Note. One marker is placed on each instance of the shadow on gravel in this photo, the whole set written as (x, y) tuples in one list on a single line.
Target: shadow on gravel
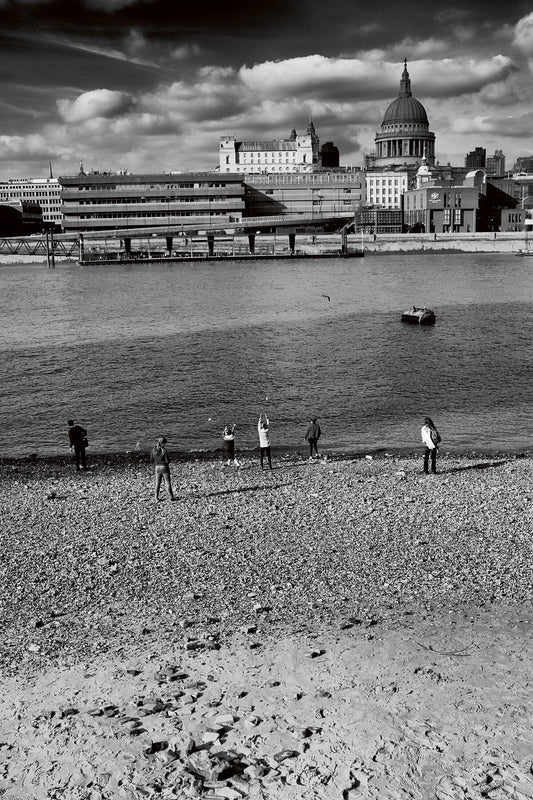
[(483, 465), (257, 488)]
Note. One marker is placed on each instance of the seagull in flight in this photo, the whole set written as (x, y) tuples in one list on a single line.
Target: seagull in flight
[(327, 297)]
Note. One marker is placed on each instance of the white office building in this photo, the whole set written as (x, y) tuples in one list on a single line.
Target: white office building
[(385, 188), (44, 191)]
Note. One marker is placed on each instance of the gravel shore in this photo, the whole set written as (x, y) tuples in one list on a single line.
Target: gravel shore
[(348, 629), (91, 562)]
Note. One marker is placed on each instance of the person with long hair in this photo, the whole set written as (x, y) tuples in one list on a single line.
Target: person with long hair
[(431, 438), (161, 459)]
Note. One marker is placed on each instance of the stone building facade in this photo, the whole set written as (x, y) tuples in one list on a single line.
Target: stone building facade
[(297, 153), (404, 137)]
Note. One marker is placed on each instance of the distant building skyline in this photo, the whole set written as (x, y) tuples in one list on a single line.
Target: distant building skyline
[(149, 85)]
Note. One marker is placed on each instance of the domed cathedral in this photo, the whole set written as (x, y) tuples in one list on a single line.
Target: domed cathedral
[(405, 137)]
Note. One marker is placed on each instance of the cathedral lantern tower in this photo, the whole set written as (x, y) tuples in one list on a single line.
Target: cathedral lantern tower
[(404, 138)]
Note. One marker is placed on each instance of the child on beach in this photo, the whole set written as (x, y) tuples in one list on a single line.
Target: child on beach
[(160, 458), (264, 439), (228, 435)]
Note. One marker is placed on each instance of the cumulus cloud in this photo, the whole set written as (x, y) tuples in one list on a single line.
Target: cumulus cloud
[(510, 126), (96, 103), (370, 77), (523, 35), (35, 145)]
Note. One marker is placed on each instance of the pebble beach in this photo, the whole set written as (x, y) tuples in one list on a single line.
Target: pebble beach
[(346, 628)]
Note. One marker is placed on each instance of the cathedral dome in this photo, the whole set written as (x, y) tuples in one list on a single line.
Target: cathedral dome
[(404, 137), (405, 108)]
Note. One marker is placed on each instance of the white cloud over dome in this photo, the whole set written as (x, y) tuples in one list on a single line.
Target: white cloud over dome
[(366, 76)]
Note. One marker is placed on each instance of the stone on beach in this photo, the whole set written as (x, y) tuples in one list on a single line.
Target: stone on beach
[(383, 635)]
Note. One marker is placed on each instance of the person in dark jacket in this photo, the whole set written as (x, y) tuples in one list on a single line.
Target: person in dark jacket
[(161, 459), (228, 435), (313, 435), (78, 441)]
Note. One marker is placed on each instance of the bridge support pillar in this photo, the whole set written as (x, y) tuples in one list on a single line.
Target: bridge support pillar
[(292, 242), (169, 244), (251, 242), (127, 245), (211, 244)]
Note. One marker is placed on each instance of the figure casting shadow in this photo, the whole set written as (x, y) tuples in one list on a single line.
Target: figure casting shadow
[(483, 465), (258, 488)]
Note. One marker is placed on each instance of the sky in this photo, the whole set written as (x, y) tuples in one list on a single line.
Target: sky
[(151, 85)]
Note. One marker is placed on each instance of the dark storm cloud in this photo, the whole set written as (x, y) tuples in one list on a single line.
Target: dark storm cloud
[(249, 32)]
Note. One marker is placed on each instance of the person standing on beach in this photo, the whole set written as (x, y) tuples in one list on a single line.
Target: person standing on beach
[(228, 435), (160, 458), (78, 440), (313, 435), (264, 439), (431, 438)]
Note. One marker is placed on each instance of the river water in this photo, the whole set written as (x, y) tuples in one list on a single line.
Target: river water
[(134, 351)]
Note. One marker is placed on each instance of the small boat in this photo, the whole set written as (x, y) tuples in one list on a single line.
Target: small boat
[(419, 316)]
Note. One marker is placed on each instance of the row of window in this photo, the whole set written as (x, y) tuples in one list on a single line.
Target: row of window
[(385, 182), (148, 215), (116, 201), (139, 187)]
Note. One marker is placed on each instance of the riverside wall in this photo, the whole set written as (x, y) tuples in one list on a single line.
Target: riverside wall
[(510, 243)]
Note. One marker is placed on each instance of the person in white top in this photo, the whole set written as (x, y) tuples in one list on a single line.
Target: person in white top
[(264, 439), (229, 437), (431, 438)]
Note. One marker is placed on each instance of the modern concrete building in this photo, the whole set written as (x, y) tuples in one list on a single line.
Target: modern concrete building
[(46, 192), (379, 220), (404, 137), (316, 194), (100, 201), (20, 218), (297, 153), (474, 205)]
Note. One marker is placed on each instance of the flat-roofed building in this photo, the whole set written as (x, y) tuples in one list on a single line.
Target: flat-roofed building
[(474, 205), (103, 201), (46, 192), (316, 194), (385, 188)]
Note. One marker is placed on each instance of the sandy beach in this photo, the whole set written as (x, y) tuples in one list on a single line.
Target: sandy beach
[(349, 628)]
